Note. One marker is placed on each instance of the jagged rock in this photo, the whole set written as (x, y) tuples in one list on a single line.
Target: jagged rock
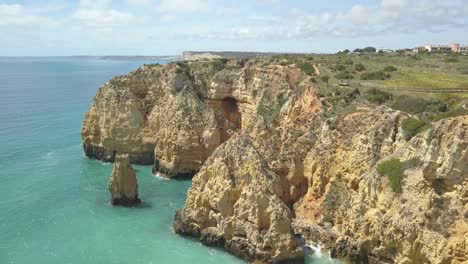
[(422, 224), (123, 184), (323, 154), (174, 116), (236, 200)]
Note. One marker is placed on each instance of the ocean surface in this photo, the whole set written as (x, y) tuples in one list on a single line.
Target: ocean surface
[(54, 202)]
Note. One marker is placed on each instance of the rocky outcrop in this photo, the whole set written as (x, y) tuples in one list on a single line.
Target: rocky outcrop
[(235, 201), (315, 152), (174, 116), (123, 184), (356, 211)]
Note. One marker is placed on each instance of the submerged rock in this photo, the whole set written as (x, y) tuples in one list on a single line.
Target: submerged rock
[(235, 201), (123, 184)]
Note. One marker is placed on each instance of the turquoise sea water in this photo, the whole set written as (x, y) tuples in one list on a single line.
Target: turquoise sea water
[(54, 202)]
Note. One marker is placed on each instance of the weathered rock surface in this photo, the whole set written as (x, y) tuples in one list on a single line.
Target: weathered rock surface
[(123, 184), (315, 153), (174, 116), (235, 201), (425, 223)]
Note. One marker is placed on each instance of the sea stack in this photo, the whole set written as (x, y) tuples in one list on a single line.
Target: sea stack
[(123, 184)]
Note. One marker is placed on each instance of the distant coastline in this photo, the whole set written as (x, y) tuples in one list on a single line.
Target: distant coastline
[(106, 57), (124, 57)]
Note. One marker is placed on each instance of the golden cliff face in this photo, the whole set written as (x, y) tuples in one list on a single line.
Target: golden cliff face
[(258, 136), (425, 222), (174, 116), (235, 202)]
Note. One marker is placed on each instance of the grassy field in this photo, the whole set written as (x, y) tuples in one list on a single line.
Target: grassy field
[(432, 86), (428, 87), (406, 77)]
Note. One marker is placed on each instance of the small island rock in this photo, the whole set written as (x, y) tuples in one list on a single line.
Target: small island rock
[(123, 183)]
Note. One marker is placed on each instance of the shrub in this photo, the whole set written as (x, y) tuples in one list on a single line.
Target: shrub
[(452, 113), (182, 67), (394, 171), (340, 67), (327, 218), (359, 67), (335, 198), (377, 75), (153, 65), (377, 96), (348, 61), (463, 69), (219, 64), (413, 163), (435, 106), (452, 60), (416, 105), (306, 67), (411, 127), (390, 68), (369, 50), (268, 109), (325, 78), (344, 75), (451, 99), (284, 63), (223, 60)]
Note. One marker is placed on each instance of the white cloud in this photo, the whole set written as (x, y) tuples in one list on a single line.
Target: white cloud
[(15, 14), (400, 16), (144, 3), (397, 4), (267, 1), (10, 10), (388, 17), (99, 15), (227, 11), (103, 19), (95, 4), (183, 6)]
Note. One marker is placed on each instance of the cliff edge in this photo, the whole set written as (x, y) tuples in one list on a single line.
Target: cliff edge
[(274, 153)]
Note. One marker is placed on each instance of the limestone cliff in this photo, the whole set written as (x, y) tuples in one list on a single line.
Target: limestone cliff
[(343, 169), (174, 116), (235, 201), (350, 206)]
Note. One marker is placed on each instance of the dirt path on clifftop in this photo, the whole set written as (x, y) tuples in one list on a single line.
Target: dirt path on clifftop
[(317, 70)]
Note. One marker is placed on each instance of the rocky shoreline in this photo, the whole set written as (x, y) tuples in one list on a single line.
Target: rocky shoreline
[(273, 155)]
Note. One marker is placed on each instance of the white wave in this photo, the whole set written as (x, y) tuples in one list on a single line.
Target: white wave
[(159, 176), (316, 249)]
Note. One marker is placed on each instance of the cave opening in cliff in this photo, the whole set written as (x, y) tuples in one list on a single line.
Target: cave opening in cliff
[(231, 111)]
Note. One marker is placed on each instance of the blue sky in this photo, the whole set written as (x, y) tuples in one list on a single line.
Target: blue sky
[(164, 27)]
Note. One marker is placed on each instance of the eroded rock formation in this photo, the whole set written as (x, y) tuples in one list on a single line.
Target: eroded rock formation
[(174, 116), (426, 222), (123, 184), (261, 135), (235, 201)]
